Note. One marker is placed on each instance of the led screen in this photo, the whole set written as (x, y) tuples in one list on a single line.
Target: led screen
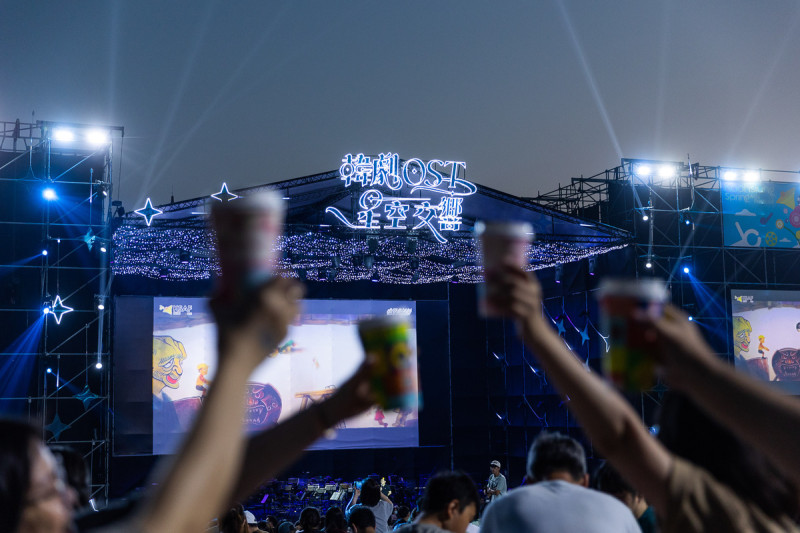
[(766, 335), (320, 352)]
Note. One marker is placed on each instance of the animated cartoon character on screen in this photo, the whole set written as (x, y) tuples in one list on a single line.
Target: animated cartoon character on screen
[(263, 406), (761, 347), (786, 364), (168, 356), (741, 338), (202, 383)]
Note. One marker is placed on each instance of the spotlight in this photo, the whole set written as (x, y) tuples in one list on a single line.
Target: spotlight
[(103, 249), (686, 270), (49, 194), (97, 137), (642, 171), (729, 175), (666, 172), (653, 430), (99, 365), (691, 318), (648, 264), (49, 370), (751, 176), (63, 135), (44, 252), (45, 310), (645, 218), (100, 306)]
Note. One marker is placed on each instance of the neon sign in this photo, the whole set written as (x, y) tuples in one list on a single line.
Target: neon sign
[(437, 208)]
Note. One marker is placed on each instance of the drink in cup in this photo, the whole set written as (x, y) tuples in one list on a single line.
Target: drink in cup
[(629, 362), (500, 243), (394, 378), (247, 234)]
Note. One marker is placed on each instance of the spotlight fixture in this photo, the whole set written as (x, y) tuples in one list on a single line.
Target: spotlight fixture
[(648, 264), (642, 170), (691, 318), (63, 135), (751, 176), (592, 265), (49, 194), (666, 172), (729, 175), (44, 252), (99, 302), (103, 248), (645, 217), (98, 137), (686, 270), (98, 365), (559, 273), (49, 370)]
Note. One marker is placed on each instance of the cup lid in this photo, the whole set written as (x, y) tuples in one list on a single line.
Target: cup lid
[(654, 289), (509, 228)]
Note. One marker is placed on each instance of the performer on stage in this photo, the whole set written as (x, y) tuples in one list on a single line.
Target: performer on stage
[(496, 486)]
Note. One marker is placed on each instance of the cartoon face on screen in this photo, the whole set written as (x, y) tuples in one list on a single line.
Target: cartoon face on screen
[(786, 364), (741, 335), (263, 405), (168, 356)]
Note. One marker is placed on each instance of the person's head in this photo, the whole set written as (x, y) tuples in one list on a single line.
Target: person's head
[(273, 522), (554, 456), (250, 520), (234, 521), (77, 473), (202, 368), (370, 492), (310, 519), (33, 495), (494, 467), (608, 480), (691, 434), (453, 498), (263, 525), (361, 519), (286, 527), (334, 519), (403, 512)]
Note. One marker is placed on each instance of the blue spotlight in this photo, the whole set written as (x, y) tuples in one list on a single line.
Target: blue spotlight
[(691, 318), (44, 252), (49, 370), (49, 194), (99, 365), (103, 249), (686, 270), (46, 310)]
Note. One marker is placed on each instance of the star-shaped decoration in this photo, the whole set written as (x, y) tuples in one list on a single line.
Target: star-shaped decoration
[(59, 310), (560, 325), (86, 396), (56, 427), (148, 211), (89, 238), (224, 195), (585, 334)]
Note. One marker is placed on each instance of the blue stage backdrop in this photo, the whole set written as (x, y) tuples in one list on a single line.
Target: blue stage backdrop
[(761, 214)]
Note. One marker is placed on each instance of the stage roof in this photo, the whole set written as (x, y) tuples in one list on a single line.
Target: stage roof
[(326, 237)]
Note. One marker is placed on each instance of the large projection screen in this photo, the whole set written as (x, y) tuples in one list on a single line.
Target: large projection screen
[(766, 335), (159, 363)]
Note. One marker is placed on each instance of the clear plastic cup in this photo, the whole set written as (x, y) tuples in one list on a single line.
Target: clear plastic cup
[(500, 243), (247, 234)]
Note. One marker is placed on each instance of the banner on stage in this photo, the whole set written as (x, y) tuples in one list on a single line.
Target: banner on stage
[(761, 214)]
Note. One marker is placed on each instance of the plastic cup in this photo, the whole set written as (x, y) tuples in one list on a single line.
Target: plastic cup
[(629, 363), (394, 380), (500, 243), (247, 234)]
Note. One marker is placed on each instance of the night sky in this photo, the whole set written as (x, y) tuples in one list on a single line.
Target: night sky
[(528, 94)]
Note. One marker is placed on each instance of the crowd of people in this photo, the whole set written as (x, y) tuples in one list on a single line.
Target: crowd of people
[(724, 460)]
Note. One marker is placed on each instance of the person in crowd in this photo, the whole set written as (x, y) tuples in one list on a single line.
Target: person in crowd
[(252, 523), (76, 472), (310, 520), (335, 521), (403, 516), (273, 523), (264, 525), (450, 503), (696, 491), (608, 480), (378, 502), (496, 486), (234, 520), (286, 527), (361, 519), (558, 498)]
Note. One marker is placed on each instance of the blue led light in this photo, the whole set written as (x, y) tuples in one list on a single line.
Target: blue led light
[(685, 270), (44, 252), (148, 211), (49, 194)]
